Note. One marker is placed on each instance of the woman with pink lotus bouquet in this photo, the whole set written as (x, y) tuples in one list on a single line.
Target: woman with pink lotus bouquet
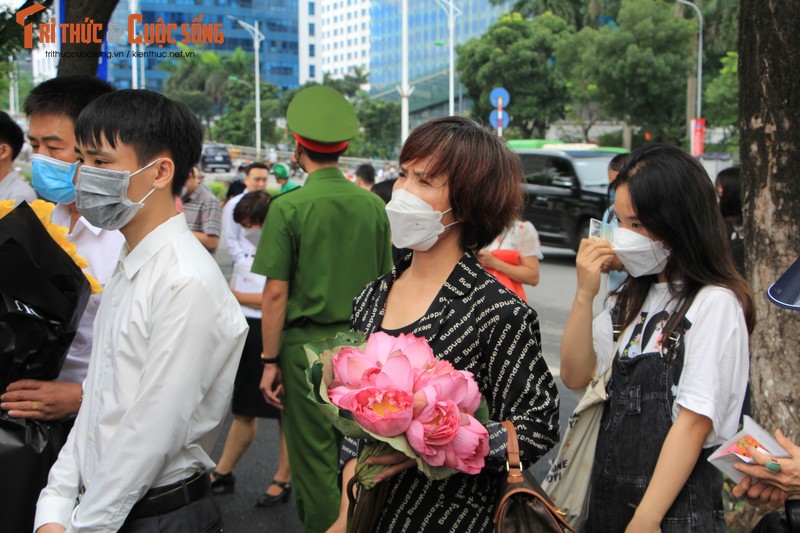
[(443, 334)]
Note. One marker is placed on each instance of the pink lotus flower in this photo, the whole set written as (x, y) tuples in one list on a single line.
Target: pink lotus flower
[(385, 412), (436, 426), (383, 404), (396, 389), (446, 382), (351, 366), (417, 349), (468, 449)]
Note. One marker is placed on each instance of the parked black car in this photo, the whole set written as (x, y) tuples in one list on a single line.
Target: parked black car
[(215, 156), (564, 189)]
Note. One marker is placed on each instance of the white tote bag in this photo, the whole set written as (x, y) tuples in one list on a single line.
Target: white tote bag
[(567, 482)]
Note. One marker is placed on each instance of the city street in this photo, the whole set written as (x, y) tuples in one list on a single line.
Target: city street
[(551, 299)]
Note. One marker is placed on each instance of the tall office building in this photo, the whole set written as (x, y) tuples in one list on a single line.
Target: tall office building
[(277, 22), (334, 38), (429, 57)]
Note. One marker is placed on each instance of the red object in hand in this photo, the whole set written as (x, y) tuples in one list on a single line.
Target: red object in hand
[(512, 257)]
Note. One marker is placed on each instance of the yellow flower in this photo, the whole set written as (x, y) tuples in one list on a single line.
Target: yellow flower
[(43, 211), (6, 206)]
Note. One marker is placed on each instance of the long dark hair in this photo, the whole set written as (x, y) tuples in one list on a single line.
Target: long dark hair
[(730, 201), (675, 200)]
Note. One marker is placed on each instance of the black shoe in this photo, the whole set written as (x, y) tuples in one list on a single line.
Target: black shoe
[(268, 500), (222, 483)]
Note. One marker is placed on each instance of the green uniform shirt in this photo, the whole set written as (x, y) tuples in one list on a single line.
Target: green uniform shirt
[(288, 186), (328, 239)]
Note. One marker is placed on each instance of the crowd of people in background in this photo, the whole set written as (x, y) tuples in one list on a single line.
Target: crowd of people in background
[(159, 355)]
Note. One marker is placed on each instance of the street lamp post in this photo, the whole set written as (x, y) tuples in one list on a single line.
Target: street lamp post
[(699, 108), (134, 7), (452, 12), (257, 38), (405, 90)]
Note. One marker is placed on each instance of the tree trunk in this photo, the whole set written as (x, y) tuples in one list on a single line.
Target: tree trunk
[(77, 11), (769, 111)]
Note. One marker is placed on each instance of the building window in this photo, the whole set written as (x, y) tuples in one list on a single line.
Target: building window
[(311, 8), (311, 29), (312, 71), (311, 50)]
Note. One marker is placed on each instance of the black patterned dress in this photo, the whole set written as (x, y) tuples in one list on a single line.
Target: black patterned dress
[(478, 325)]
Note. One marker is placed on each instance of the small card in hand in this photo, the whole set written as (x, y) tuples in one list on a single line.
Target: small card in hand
[(600, 230), (737, 449)]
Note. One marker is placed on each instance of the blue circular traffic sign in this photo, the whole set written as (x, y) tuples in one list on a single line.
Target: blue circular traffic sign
[(497, 93), (493, 119)]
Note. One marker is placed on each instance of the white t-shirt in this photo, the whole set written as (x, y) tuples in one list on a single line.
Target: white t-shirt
[(520, 236), (716, 354)]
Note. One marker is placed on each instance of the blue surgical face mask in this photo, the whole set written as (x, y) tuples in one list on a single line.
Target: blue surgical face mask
[(52, 179)]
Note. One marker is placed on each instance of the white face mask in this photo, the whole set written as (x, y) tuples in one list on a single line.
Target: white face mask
[(102, 196), (253, 235), (414, 223), (640, 255)]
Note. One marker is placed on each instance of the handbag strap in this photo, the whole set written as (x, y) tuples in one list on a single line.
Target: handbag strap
[(513, 463), (517, 484)]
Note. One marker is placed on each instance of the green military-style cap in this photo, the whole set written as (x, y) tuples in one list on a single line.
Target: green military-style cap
[(322, 119)]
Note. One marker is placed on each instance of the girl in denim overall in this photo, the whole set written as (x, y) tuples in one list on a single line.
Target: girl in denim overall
[(679, 375)]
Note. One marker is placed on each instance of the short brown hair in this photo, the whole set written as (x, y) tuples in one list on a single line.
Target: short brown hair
[(484, 176), (252, 208)]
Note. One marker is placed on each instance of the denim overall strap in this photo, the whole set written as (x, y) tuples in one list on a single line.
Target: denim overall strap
[(635, 423)]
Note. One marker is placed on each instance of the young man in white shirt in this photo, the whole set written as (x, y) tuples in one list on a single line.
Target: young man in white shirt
[(167, 337), (53, 108), (12, 186)]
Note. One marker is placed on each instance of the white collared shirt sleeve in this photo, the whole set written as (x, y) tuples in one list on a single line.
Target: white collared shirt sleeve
[(57, 500)]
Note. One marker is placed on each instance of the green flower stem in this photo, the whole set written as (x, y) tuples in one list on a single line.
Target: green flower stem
[(365, 473)]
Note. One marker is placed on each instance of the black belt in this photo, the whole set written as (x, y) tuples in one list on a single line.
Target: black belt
[(297, 323), (162, 500)]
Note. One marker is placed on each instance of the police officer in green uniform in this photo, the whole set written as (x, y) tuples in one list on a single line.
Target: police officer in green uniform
[(321, 244)]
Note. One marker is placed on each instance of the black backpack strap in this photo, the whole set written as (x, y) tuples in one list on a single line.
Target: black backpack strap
[(615, 322), (671, 347)]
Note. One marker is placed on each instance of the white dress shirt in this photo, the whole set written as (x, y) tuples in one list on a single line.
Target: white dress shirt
[(239, 248), (13, 187), (167, 342), (101, 249)]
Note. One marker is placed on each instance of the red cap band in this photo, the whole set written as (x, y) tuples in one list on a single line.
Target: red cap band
[(323, 148)]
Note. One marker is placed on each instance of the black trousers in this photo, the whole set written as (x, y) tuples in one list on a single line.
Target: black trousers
[(201, 516)]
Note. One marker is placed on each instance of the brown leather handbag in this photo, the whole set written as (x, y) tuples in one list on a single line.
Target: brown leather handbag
[(523, 506)]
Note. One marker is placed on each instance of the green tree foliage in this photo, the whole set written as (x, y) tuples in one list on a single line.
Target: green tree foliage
[(237, 124), (577, 13), (221, 85), (517, 53), (721, 95), (720, 30), (380, 123), (639, 67), (576, 61)]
